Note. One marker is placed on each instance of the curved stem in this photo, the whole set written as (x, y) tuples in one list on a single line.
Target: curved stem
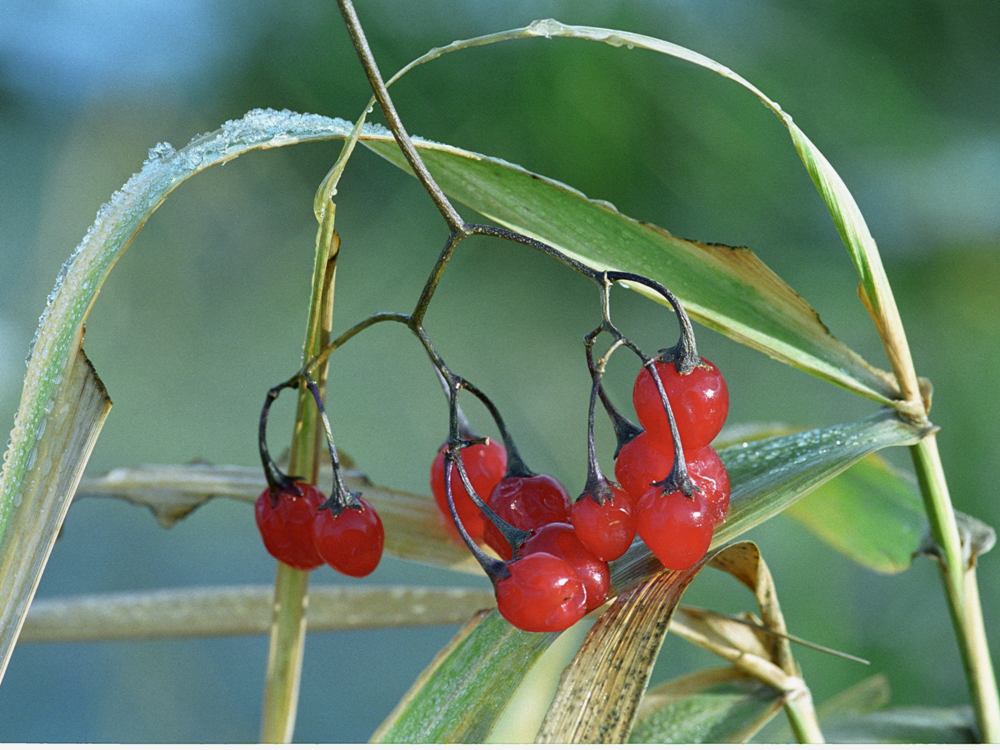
[(685, 352)]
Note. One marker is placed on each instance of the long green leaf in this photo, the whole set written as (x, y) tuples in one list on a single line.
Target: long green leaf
[(62, 441), (727, 288), (719, 706), (846, 215), (462, 693), (242, 610), (873, 514), (768, 476)]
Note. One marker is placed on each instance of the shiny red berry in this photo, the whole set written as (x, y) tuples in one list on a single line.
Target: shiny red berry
[(485, 465), (541, 593), (350, 541), (699, 400), (706, 470), (605, 530), (678, 529), (285, 522), (526, 503), (641, 461), (559, 540)]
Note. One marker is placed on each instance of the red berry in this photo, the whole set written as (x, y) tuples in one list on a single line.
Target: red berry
[(351, 541), (559, 540), (485, 466), (643, 460), (677, 528), (605, 530), (286, 526), (541, 593), (527, 503), (699, 400), (708, 472)]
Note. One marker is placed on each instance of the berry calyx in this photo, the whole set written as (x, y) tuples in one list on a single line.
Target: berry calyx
[(699, 401), (606, 530), (285, 521), (641, 461), (349, 540), (485, 465), (677, 528), (541, 594), (525, 502), (559, 540)]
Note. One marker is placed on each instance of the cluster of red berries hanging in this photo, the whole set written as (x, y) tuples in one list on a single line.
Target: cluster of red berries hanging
[(555, 552), (302, 527)]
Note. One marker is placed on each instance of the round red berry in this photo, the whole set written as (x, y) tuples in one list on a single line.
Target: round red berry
[(559, 540), (699, 400), (677, 528), (605, 530), (285, 521), (350, 541), (706, 470), (485, 464), (526, 503), (541, 593), (641, 461)]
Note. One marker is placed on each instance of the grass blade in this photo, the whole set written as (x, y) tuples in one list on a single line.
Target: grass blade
[(718, 706), (62, 443), (241, 610), (462, 692)]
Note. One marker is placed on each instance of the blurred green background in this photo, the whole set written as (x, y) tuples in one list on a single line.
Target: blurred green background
[(207, 309)]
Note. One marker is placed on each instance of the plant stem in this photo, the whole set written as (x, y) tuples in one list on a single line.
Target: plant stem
[(288, 626), (961, 588), (802, 716)]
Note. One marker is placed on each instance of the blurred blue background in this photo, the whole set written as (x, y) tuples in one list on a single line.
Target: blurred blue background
[(207, 309)]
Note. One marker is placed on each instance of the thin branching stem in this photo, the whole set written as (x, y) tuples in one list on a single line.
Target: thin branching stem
[(451, 216)]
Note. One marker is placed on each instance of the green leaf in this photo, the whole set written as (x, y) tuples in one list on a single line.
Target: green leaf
[(850, 372), (414, 530), (726, 288), (768, 476), (719, 706), (462, 692), (909, 724), (873, 514), (242, 610), (62, 439)]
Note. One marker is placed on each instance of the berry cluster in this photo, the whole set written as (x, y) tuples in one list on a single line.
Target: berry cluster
[(554, 552), (673, 490), (303, 528)]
